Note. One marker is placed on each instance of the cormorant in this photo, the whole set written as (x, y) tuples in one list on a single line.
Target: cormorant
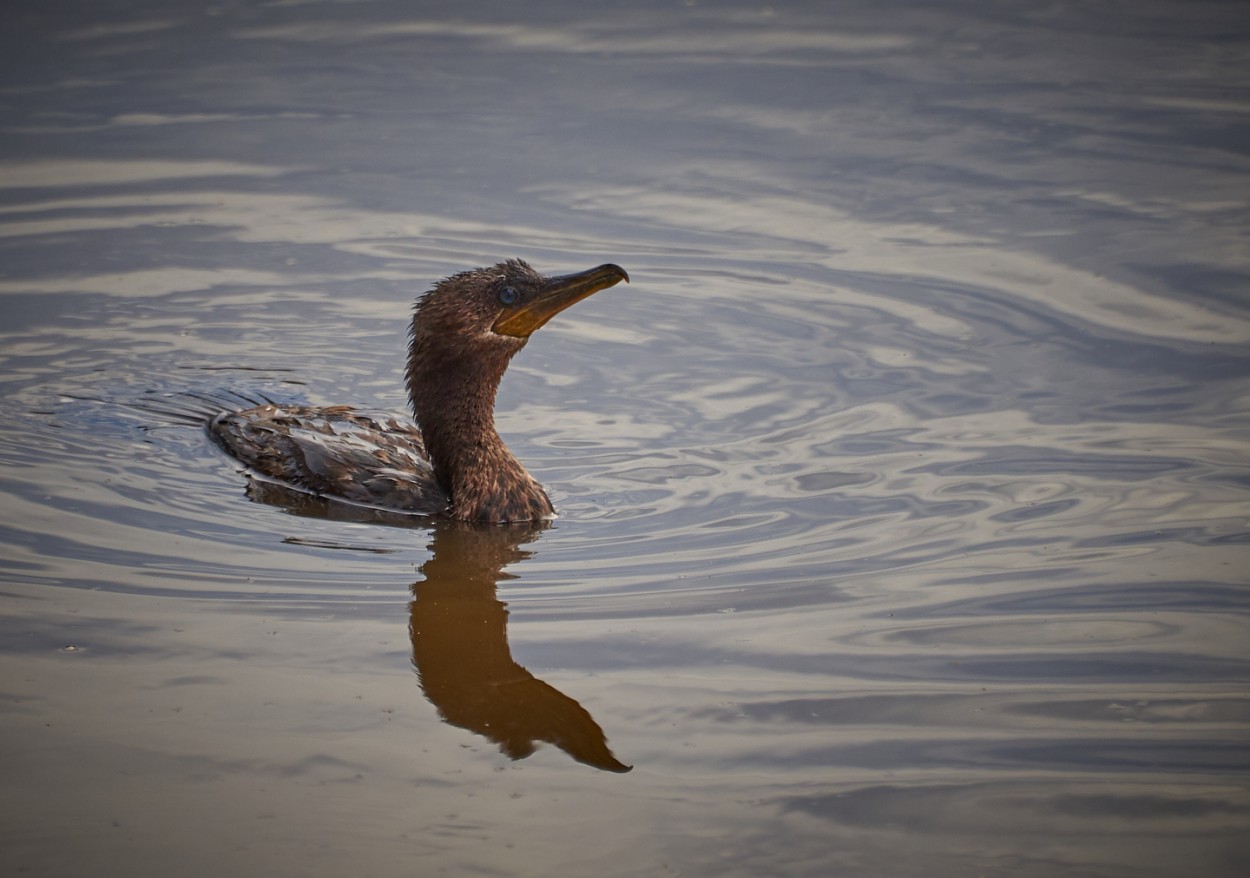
[(464, 332)]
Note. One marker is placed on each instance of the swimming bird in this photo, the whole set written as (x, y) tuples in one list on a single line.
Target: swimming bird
[(451, 461)]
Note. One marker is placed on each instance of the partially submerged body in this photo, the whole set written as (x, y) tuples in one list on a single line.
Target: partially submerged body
[(452, 460)]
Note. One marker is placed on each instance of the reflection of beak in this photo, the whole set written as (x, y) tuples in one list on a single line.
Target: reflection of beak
[(554, 296)]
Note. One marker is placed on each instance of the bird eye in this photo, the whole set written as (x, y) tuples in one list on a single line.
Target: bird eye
[(508, 296)]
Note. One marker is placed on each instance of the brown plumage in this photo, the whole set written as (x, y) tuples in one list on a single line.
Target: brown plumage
[(464, 333)]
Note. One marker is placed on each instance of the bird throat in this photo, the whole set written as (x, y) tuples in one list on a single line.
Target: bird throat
[(454, 407)]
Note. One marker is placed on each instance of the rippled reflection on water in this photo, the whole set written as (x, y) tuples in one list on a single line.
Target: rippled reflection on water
[(903, 494)]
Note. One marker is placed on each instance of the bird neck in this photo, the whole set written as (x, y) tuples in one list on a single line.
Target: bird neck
[(455, 408)]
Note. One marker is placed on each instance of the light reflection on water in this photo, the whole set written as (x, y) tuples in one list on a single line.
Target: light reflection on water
[(903, 494)]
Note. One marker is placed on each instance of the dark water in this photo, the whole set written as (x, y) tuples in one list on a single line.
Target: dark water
[(904, 493)]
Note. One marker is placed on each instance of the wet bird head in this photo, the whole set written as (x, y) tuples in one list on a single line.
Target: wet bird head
[(484, 316), (501, 306)]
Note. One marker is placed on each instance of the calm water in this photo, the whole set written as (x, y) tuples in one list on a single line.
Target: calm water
[(904, 493)]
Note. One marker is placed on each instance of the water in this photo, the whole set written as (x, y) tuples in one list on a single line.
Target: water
[(904, 493)]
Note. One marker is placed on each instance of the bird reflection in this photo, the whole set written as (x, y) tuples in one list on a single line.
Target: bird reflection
[(459, 631), (460, 650)]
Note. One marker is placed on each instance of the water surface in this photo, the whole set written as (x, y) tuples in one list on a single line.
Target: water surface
[(903, 494)]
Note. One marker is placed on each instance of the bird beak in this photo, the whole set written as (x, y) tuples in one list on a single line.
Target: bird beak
[(554, 296)]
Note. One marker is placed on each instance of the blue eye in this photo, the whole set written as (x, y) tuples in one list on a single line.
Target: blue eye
[(508, 296)]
